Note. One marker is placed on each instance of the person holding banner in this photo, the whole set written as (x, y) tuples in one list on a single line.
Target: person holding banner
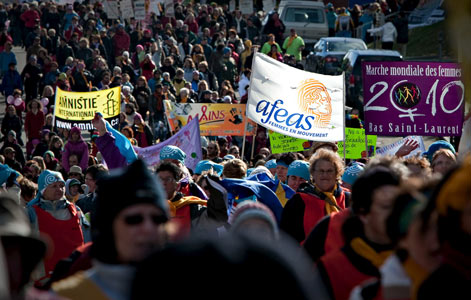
[(313, 201), (186, 210), (75, 145)]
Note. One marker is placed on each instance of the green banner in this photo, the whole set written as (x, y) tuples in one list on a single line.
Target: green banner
[(355, 144), (281, 143)]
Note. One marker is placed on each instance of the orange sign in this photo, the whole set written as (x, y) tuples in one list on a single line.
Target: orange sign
[(214, 119)]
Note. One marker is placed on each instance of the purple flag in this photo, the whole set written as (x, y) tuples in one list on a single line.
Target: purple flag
[(187, 139)]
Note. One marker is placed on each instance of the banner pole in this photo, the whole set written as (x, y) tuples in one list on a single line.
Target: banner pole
[(344, 137), (245, 133), (255, 50), (366, 145), (253, 142)]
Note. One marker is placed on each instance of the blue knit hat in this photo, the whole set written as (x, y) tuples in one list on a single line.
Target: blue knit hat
[(351, 173), (437, 146), (172, 152), (5, 173), (226, 50), (271, 164), (299, 168), (46, 178), (205, 165), (229, 156)]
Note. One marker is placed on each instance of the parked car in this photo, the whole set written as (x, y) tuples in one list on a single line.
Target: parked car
[(328, 53), (308, 18), (351, 65)]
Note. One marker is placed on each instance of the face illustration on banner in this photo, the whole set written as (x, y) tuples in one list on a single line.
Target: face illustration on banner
[(313, 98)]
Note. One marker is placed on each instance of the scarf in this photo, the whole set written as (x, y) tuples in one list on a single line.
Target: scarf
[(331, 205), (417, 275), (291, 39), (140, 128), (364, 250), (184, 201), (86, 81)]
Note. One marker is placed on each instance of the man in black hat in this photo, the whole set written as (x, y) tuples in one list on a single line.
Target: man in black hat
[(10, 159), (12, 142), (130, 223), (23, 251), (63, 51)]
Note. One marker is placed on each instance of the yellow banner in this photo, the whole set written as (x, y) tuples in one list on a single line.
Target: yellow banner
[(214, 119), (74, 106), (74, 109)]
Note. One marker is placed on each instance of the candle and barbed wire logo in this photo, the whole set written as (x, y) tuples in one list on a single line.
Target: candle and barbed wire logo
[(407, 95), (111, 105), (314, 99)]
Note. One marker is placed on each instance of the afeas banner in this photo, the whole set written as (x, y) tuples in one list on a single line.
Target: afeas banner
[(296, 103), (73, 109)]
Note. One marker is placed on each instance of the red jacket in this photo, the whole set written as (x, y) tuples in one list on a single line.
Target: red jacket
[(29, 17), (33, 124), (121, 42), (315, 210), (343, 276)]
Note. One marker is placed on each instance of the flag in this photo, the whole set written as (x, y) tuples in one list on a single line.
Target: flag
[(122, 143), (297, 103), (282, 191), (188, 139), (238, 189)]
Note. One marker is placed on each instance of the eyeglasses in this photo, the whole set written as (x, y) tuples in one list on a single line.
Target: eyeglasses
[(327, 172), (167, 179), (139, 219)]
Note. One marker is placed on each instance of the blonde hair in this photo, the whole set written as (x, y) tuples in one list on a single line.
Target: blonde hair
[(234, 168), (445, 152), (329, 156)]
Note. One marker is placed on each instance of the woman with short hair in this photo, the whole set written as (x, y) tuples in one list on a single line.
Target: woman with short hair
[(314, 200)]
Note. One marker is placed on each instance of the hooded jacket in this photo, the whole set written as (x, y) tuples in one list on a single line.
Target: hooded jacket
[(78, 147)]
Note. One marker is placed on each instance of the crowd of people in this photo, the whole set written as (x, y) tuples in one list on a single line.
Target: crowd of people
[(80, 219)]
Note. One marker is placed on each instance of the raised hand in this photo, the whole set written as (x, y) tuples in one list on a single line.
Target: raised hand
[(409, 146)]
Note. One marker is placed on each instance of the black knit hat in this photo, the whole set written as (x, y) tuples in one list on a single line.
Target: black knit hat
[(367, 183), (117, 191), (15, 231)]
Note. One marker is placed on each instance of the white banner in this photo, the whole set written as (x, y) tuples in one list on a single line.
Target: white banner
[(297, 103), (112, 9), (391, 149), (140, 10), (246, 6), (268, 5), (232, 5), (126, 8), (169, 8)]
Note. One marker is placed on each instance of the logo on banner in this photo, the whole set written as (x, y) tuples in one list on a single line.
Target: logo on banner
[(407, 95), (314, 99), (111, 106)]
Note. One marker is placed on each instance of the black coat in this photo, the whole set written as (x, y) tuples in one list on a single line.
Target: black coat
[(11, 123), (31, 83), (402, 28), (19, 156), (62, 53)]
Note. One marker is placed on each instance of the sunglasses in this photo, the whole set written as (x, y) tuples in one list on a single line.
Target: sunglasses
[(139, 219)]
